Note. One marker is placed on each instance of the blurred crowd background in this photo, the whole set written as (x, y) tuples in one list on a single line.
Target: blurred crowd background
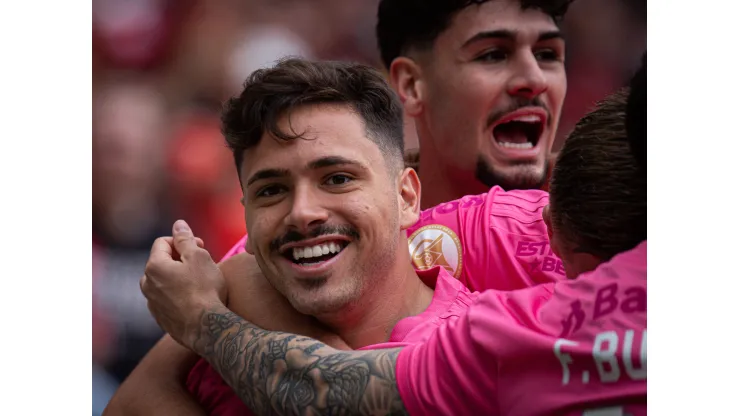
[(162, 68)]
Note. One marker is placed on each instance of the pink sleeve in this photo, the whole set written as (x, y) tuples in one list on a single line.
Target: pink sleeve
[(239, 247), (565, 348), (444, 375), (496, 240)]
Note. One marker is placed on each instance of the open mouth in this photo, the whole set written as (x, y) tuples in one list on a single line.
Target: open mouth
[(521, 132), (315, 254)]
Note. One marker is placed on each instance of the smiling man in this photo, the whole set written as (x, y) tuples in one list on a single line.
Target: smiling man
[(484, 82), (326, 208)]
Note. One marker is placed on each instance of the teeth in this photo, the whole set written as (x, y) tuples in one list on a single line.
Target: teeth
[(526, 145), (315, 251), (530, 118)]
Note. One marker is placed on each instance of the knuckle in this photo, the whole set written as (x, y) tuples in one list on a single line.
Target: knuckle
[(201, 255), (196, 255), (151, 268)]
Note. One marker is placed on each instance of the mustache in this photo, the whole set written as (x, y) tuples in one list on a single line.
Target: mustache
[(293, 236), (518, 103)]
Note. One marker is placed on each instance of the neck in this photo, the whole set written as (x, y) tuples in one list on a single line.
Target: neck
[(371, 320), (443, 184)]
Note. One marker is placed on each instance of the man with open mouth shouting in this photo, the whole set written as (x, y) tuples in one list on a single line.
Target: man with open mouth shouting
[(484, 82)]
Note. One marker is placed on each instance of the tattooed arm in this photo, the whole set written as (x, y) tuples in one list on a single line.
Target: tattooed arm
[(285, 374), (272, 372)]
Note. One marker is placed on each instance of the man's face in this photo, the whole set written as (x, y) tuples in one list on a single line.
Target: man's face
[(493, 88), (322, 211)]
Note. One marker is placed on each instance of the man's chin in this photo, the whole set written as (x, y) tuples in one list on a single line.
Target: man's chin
[(515, 176), (318, 306)]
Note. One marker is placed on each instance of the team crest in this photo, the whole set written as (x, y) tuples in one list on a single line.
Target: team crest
[(436, 245)]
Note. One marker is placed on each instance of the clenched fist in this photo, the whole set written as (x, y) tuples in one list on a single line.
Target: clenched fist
[(181, 282)]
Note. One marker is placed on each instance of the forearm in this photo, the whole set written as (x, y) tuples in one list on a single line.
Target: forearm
[(284, 374), (157, 384)]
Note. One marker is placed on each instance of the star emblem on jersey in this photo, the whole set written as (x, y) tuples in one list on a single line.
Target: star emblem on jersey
[(534, 265), (436, 245)]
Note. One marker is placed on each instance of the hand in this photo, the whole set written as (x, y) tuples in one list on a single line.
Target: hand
[(181, 282)]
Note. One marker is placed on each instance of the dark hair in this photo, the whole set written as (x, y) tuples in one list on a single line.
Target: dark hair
[(405, 24), (598, 191), (273, 92), (637, 113)]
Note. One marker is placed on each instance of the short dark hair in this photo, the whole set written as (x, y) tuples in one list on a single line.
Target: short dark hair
[(637, 113), (598, 190), (273, 92), (405, 24)]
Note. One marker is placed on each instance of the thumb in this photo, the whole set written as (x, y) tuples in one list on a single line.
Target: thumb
[(184, 240)]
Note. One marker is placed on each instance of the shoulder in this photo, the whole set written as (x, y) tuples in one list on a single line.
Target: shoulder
[(238, 248)]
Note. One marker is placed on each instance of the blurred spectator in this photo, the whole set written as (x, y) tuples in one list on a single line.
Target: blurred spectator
[(129, 127), (129, 124)]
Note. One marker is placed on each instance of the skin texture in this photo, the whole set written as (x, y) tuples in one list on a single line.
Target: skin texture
[(454, 90)]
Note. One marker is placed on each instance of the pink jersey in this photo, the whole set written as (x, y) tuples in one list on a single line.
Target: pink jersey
[(497, 240), (450, 301), (576, 347)]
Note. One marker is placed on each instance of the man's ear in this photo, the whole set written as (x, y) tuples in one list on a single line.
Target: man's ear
[(554, 245), (405, 77), (409, 197), (548, 220)]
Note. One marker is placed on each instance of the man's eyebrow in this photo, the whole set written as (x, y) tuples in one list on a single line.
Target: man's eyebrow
[(511, 35), (491, 34), (328, 161), (551, 34), (267, 174)]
